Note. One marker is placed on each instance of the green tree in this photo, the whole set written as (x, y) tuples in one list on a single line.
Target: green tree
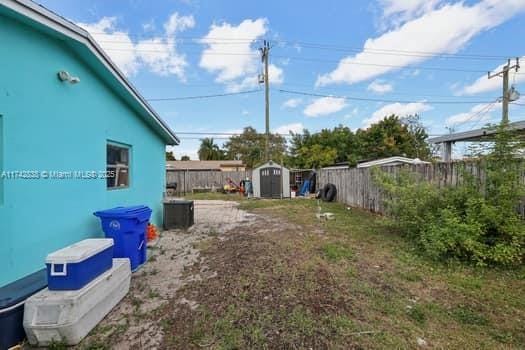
[(393, 136), (317, 156), (208, 150), (249, 146), (336, 144), (185, 157), (170, 156)]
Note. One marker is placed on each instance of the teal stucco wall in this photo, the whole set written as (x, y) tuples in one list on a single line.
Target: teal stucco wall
[(48, 125)]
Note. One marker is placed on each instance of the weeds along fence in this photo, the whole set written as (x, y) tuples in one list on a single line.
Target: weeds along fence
[(356, 187), (187, 181)]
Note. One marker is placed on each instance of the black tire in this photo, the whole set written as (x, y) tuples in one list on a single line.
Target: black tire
[(328, 193)]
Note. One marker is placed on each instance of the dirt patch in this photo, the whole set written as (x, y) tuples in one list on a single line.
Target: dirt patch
[(269, 292), (174, 260)]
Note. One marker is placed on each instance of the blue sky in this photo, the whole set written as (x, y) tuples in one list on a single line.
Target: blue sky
[(380, 50)]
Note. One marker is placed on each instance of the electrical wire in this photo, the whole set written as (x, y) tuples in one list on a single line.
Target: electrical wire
[(377, 99), (202, 96), (315, 60), (482, 112), (294, 43), (400, 93)]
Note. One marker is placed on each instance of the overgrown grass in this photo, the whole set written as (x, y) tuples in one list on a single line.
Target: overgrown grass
[(349, 282)]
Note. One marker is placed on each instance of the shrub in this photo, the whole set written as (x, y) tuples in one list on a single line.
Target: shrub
[(476, 220)]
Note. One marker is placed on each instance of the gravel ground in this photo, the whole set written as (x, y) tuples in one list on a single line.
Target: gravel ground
[(132, 324)]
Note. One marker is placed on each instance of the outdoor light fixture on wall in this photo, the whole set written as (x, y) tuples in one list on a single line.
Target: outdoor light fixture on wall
[(65, 76)]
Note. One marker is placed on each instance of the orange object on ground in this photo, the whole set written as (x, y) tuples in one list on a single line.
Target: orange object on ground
[(151, 232)]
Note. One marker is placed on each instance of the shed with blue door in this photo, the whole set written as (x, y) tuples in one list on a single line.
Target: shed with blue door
[(75, 137)]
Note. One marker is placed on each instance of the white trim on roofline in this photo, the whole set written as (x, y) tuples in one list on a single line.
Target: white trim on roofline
[(389, 160), (61, 25)]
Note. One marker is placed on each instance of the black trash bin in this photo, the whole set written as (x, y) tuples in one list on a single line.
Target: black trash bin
[(178, 214)]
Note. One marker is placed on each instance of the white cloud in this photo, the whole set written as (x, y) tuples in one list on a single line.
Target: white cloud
[(399, 11), (148, 26), (239, 71), (158, 54), (484, 84), (245, 112), (352, 114), (178, 23), (399, 109), (324, 106), (236, 39), (118, 44), (286, 129), (445, 30), (480, 112), (380, 87), (291, 103)]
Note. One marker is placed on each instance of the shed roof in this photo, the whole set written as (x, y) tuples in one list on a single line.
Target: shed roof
[(270, 163), (81, 41)]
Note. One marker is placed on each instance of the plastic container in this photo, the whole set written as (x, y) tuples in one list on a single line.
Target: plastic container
[(12, 299), (178, 214), (73, 267), (127, 227), (68, 316)]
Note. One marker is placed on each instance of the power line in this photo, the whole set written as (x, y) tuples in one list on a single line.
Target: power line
[(377, 99), (357, 63), (401, 93), (315, 60), (325, 46), (223, 133), (306, 59), (202, 96), (229, 135), (179, 42), (482, 112)]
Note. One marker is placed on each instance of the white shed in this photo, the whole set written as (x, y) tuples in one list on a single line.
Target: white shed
[(271, 180)]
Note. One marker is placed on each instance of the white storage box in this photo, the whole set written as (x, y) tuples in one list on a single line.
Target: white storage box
[(69, 316)]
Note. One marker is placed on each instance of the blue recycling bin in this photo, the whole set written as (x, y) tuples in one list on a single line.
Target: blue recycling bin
[(127, 226)]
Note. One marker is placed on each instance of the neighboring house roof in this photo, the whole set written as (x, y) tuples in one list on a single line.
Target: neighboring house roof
[(203, 164), (340, 165), (391, 161), (483, 134), (90, 52)]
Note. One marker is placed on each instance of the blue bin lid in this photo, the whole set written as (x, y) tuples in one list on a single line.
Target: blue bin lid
[(123, 212), (22, 289)]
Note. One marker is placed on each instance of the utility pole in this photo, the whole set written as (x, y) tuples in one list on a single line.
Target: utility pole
[(265, 53), (505, 97)]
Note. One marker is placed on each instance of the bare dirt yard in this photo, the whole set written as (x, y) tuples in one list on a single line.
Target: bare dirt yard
[(270, 275)]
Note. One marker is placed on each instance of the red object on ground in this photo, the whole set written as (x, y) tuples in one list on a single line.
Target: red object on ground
[(151, 232)]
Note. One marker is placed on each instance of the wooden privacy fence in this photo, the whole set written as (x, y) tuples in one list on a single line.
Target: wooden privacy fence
[(357, 188), (189, 180)]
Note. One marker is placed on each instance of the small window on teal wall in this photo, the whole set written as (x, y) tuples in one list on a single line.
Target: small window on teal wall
[(117, 166), (1, 160)]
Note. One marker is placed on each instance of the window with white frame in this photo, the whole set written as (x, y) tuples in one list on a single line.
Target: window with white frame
[(117, 166)]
